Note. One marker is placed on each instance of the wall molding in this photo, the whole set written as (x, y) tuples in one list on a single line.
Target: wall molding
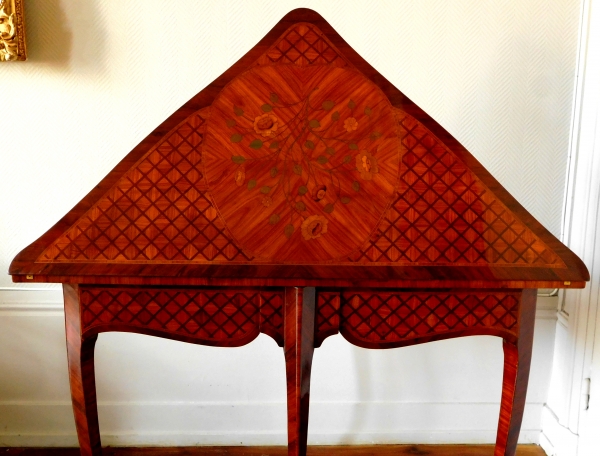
[(556, 439), (546, 308), (31, 301), (260, 423), (49, 301)]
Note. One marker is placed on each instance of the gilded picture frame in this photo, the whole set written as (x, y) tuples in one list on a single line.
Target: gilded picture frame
[(12, 31)]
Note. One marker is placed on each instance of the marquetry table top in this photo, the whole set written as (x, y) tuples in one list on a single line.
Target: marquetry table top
[(300, 162)]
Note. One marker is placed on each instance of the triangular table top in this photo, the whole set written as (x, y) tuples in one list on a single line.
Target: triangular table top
[(300, 163)]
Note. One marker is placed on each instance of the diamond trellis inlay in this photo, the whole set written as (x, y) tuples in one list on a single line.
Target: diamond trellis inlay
[(159, 210), (271, 315), (303, 44), (444, 214), (328, 315), (397, 316), (209, 315)]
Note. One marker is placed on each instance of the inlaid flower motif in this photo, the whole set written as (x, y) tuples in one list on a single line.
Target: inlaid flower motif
[(239, 176), (267, 201), (350, 124), (266, 124), (313, 227), (366, 165), (319, 192)]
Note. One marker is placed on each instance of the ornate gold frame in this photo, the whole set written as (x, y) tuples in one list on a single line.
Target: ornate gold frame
[(12, 31)]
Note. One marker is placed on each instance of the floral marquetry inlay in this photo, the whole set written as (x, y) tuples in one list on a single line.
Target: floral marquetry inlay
[(302, 162)]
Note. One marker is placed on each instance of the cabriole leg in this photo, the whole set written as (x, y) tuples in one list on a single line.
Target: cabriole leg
[(517, 360), (299, 334), (80, 355)]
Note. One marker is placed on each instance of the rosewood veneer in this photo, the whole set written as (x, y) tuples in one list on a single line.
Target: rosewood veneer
[(300, 195)]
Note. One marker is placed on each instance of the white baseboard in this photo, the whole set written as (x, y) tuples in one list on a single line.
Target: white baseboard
[(259, 439), (555, 439), (546, 307), (332, 423)]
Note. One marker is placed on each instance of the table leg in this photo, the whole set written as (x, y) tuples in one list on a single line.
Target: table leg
[(80, 353), (517, 360), (299, 334)]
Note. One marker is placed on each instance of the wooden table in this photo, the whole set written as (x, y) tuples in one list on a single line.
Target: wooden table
[(300, 195)]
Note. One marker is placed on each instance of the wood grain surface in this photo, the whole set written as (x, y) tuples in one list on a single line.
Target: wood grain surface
[(234, 316), (313, 185), (359, 450), (216, 316), (517, 361), (80, 356), (299, 329)]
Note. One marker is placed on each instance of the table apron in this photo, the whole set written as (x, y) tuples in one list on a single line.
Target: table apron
[(232, 316)]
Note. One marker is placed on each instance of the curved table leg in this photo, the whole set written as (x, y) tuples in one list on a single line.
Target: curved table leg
[(80, 355), (299, 334), (517, 360)]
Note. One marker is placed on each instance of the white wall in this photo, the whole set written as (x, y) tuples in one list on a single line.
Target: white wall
[(102, 74)]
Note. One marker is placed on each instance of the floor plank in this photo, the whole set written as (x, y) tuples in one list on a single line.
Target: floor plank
[(358, 450)]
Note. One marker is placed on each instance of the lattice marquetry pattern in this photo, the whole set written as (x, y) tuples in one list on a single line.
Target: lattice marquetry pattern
[(444, 214), (397, 316), (328, 315), (209, 315), (303, 44), (271, 315), (159, 210)]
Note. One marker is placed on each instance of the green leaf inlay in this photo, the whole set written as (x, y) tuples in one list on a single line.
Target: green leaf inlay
[(256, 144), (288, 231), (327, 105)]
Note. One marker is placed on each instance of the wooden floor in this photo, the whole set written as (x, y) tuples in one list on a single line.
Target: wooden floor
[(362, 450)]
